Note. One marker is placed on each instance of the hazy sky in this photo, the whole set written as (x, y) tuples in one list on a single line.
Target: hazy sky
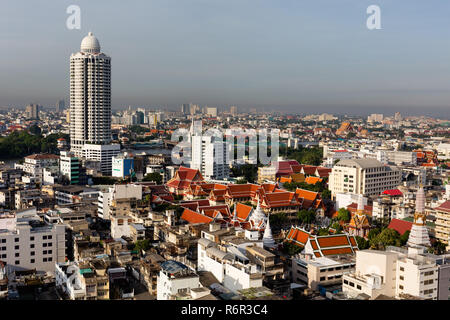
[(298, 55)]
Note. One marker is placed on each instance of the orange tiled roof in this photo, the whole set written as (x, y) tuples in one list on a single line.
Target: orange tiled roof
[(312, 180), (279, 199), (243, 211), (195, 217)]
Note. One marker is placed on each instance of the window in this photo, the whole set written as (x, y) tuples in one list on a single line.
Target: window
[(31, 238), (16, 247), (4, 256), (402, 269), (345, 282), (402, 278), (32, 261), (400, 287), (3, 240), (44, 244), (44, 260), (32, 246), (32, 253), (16, 239), (17, 262), (44, 237), (49, 237), (322, 278), (50, 244), (17, 254), (49, 251), (358, 287)]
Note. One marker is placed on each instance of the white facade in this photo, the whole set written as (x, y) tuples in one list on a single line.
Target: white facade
[(395, 272), (101, 153), (232, 268), (23, 246), (209, 156), (343, 200), (90, 104), (175, 279), (363, 176), (118, 191)]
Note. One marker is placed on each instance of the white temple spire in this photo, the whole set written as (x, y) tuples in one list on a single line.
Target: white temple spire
[(268, 240)]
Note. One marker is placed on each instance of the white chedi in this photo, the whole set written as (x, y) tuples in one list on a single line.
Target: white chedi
[(419, 234), (258, 218), (268, 240)]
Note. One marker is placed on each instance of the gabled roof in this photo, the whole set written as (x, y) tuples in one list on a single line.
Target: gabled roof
[(312, 180), (241, 190), (298, 236), (444, 206), (184, 177), (401, 226), (321, 246), (354, 207), (279, 199), (393, 192), (195, 217), (243, 211), (323, 172)]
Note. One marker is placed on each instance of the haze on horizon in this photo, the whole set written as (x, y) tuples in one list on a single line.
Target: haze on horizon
[(277, 55)]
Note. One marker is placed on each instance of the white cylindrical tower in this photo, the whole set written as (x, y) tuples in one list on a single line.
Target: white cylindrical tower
[(90, 96)]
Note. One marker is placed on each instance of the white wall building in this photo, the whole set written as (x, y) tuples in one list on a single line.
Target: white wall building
[(395, 272), (27, 243), (175, 279), (209, 155), (363, 176), (231, 267)]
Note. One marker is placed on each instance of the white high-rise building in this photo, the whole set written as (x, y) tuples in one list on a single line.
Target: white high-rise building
[(209, 155), (90, 104)]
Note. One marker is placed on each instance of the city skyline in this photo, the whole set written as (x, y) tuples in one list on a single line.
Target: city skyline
[(289, 57)]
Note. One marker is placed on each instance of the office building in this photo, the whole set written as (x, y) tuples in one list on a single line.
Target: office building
[(363, 176)]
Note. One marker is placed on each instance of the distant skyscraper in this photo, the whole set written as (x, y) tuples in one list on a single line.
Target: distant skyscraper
[(60, 105), (90, 104), (233, 110), (32, 111), (185, 108)]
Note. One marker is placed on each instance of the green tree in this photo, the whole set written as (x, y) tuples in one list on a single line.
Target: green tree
[(323, 232), (404, 237), (35, 129), (278, 219), (336, 226), (291, 249), (344, 215), (387, 237), (362, 243), (154, 176), (142, 245), (306, 216)]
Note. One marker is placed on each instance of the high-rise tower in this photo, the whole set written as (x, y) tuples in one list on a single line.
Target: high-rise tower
[(90, 104)]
